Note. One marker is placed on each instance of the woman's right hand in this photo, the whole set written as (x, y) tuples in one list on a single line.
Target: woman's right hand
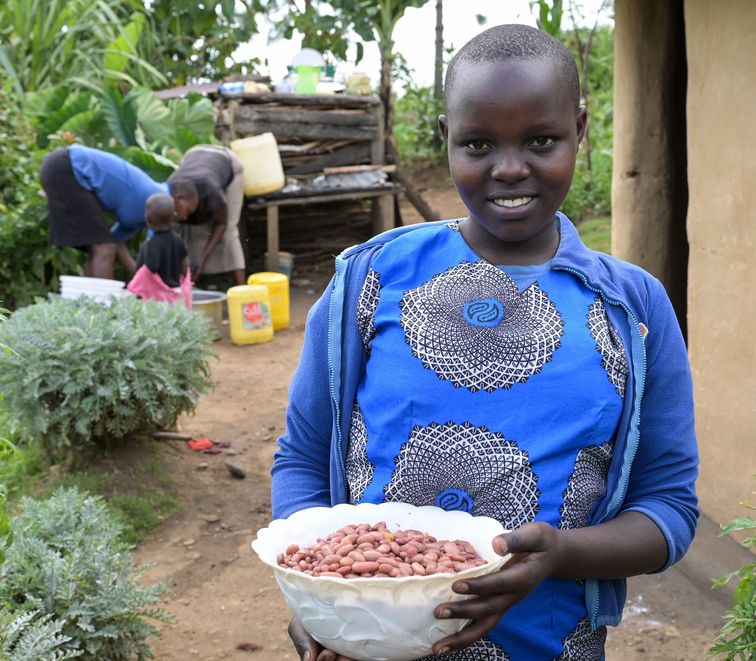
[(308, 648)]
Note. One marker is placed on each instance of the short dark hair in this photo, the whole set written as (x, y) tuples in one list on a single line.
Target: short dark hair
[(183, 188), (514, 41), (160, 210)]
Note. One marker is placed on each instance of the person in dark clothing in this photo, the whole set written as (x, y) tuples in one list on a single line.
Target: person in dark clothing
[(82, 185), (210, 227), (165, 252)]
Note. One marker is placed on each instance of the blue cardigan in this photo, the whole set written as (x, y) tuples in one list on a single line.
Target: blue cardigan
[(656, 457)]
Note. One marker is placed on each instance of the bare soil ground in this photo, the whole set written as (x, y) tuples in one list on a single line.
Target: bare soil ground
[(224, 599)]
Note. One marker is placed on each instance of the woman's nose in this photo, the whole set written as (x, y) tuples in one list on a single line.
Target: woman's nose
[(510, 166)]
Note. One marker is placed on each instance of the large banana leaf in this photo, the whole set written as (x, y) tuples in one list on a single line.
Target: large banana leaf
[(121, 115)]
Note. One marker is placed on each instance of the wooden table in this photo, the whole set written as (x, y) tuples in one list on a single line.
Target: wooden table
[(382, 211)]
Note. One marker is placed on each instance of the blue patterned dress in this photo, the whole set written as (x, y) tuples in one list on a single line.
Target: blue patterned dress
[(496, 390)]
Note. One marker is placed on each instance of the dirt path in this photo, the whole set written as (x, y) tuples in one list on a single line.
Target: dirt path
[(222, 596)]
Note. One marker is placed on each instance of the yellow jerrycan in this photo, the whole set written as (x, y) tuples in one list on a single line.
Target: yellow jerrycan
[(263, 171), (249, 317), (278, 289)]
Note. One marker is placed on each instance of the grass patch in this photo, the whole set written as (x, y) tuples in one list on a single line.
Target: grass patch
[(131, 480), (597, 233), (141, 514)]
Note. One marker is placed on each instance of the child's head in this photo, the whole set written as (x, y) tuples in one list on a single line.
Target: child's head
[(160, 211), (513, 124)]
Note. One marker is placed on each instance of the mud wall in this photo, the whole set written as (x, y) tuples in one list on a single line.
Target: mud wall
[(721, 51), (649, 187)]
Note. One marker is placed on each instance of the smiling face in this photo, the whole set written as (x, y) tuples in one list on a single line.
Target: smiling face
[(512, 133)]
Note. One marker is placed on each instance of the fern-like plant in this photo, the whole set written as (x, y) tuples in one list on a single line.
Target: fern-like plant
[(66, 561), (737, 639), (31, 636), (80, 372)]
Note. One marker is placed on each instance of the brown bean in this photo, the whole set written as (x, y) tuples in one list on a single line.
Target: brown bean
[(365, 550)]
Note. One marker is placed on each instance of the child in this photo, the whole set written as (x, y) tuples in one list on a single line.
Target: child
[(497, 365), (163, 260)]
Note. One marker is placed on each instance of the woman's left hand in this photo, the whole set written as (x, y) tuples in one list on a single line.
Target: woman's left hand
[(535, 556)]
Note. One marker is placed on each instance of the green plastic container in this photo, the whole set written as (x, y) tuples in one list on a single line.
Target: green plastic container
[(307, 79)]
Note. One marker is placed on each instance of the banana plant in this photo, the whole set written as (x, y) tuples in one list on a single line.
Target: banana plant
[(45, 43)]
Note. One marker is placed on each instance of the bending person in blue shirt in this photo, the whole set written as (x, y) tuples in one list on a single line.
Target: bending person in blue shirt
[(82, 184), (497, 365)]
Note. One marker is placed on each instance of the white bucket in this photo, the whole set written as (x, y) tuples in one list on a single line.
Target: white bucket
[(101, 290), (285, 263)]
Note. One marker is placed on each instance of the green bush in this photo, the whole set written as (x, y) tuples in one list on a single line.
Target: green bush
[(415, 124), (79, 372), (29, 266), (66, 561), (737, 639), (33, 637)]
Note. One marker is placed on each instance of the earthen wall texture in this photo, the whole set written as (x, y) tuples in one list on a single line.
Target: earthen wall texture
[(721, 227)]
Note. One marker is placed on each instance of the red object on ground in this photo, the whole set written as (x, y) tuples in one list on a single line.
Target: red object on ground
[(207, 445), (199, 444)]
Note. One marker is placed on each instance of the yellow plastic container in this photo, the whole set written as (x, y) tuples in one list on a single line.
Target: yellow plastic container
[(249, 315), (263, 171), (278, 289)]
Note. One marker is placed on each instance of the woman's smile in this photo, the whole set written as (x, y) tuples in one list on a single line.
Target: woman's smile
[(512, 132)]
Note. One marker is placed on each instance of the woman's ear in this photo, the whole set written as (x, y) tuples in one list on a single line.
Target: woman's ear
[(581, 121), (443, 126)]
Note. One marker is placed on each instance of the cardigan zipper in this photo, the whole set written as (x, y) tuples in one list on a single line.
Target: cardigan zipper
[(592, 586)]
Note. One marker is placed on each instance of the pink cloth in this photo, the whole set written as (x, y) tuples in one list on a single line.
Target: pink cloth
[(147, 284)]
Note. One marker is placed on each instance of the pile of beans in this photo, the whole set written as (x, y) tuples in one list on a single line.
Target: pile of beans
[(361, 551)]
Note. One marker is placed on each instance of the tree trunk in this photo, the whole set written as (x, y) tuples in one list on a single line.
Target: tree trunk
[(438, 83)]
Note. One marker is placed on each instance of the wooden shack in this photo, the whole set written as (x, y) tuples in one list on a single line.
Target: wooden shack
[(317, 136)]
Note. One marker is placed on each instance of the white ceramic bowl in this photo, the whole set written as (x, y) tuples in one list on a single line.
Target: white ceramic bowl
[(375, 619)]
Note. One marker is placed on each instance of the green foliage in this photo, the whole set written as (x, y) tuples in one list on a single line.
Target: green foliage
[(596, 233), (29, 266), (66, 561), (139, 510), (549, 15), (83, 42), (591, 191), (415, 124), (81, 372), (737, 639), (33, 637), (5, 534), (195, 41)]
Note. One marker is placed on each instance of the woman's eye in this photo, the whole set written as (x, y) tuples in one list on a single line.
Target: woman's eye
[(542, 141), (477, 145)]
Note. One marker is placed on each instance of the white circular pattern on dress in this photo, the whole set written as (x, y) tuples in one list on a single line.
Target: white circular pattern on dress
[(583, 644), (586, 485), (609, 345), (367, 304), (449, 326), (359, 470), (480, 650), (493, 472)]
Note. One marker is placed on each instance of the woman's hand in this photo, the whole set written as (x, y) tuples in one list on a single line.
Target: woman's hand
[(535, 556), (308, 648)]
